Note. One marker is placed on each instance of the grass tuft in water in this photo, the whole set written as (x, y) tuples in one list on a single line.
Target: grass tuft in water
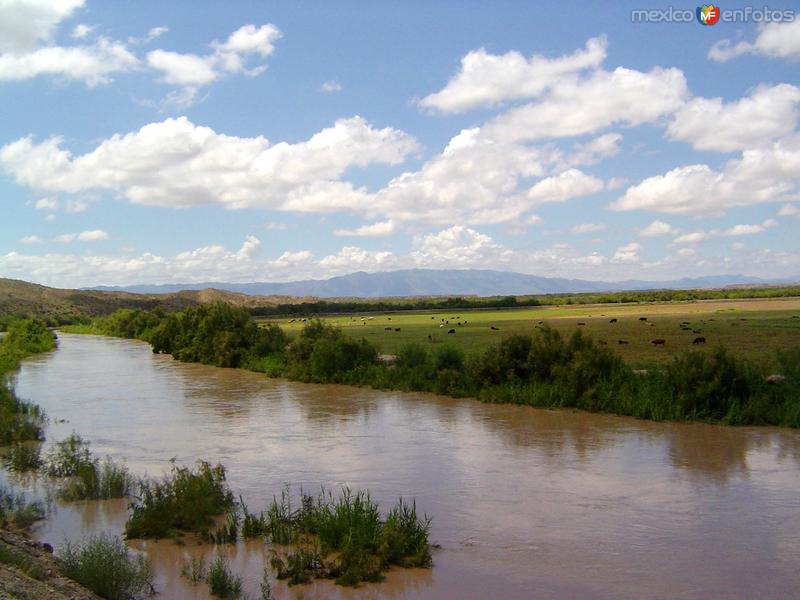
[(221, 581), (186, 500), (23, 457), (16, 511), (106, 566), (194, 570), (68, 457)]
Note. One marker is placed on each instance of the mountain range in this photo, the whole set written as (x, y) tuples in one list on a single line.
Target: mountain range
[(434, 282)]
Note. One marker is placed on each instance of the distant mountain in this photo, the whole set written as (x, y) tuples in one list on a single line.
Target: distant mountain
[(433, 282)]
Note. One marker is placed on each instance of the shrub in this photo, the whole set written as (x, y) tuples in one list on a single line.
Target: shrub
[(23, 457), (105, 565), (185, 500), (221, 581)]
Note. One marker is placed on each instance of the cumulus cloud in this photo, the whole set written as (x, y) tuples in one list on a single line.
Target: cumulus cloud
[(93, 235), (774, 40), (762, 174), (572, 183), (789, 210), (629, 253), (488, 79), (697, 237), (578, 106), (589, 227), (81, 31), (31, 239), (658, 228), (176, 163), (711, 124), (25, 24), (375, 229), (191, 72)]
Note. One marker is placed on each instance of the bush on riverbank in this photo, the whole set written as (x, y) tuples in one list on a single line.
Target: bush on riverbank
[(20, 420), (186, 500), (544, 369), (106, 566)]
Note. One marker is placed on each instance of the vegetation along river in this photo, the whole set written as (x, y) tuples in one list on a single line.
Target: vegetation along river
[(525, 503)]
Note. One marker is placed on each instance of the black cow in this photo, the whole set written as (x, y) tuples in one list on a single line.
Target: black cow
[(452, 331), (699, 340)]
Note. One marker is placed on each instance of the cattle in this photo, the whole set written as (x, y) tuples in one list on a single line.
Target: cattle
[(493, 328), (430, 338), (387, 328), (643, 318), (612, 320), (459, 323), (540, 322), (441, 325), (796, 316), (397, 329), (699, 340), (452, 331), (431, 318), (390, 318), (581, 323), (658, 342), (775, 378), (620, 342)]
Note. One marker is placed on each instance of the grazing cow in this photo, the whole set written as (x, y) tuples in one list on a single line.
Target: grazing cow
[(431, 318), (441, 325), (390, 318), (643, 318), (581, 323), (397, 329), (775, 378), (540, 322), (699, 340), (452, 331), (612, 321), (387, 328), (493, 328), (622, 342), (658, 342), (430, 338), (459, 323), (796, 316)]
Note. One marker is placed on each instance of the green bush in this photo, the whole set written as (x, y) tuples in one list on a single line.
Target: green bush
[(23, 457), (221, 582), (105, 565), (186, 500)]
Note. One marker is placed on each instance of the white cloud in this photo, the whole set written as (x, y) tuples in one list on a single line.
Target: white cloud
[(81, 31), (697, 237), (271, 226), (589, 227), (774, 40), (47, 204), (66, 238), (176, 163), (191, 72), (658, 228), (629, 253), (331, 87), (486, 79), (766, 174), (711, 124), (31, 239), (25, 24), (94, 235), (460, 246), (93, 64), (789, 210), (595, 150), (572, 183), (375, 229), (617, 182), (582, 106)]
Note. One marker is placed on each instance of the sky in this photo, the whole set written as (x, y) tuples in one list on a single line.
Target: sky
[(175, 142)]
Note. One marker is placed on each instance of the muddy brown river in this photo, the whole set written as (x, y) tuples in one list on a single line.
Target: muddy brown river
[(525, 503)]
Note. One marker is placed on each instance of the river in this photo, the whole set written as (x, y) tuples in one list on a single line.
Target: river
[(525, 503)]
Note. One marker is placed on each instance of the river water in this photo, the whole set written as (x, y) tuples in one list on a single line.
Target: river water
[(525, 503)]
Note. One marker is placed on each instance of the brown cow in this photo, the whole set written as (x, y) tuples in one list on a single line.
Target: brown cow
[(658, 342), (699, 340)]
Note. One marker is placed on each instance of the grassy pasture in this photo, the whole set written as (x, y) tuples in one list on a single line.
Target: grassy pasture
[(751, 328)]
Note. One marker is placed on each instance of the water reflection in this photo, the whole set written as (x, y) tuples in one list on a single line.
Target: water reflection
[(566, 504)]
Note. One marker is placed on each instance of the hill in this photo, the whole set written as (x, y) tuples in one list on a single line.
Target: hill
[(30, 299)]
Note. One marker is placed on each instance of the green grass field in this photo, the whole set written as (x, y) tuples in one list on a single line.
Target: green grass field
[(751, 328)]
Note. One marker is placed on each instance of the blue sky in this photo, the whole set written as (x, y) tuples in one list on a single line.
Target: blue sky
[(256, 141)]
